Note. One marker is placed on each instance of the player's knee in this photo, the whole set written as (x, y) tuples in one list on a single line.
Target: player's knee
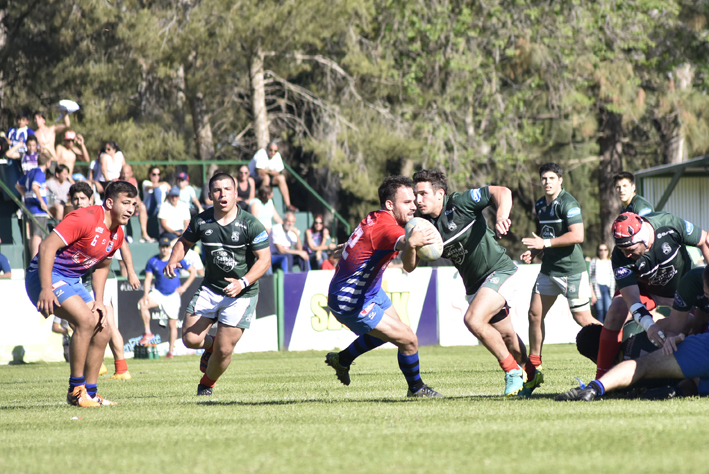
[(193, 341), (616, 314), (475, 325)]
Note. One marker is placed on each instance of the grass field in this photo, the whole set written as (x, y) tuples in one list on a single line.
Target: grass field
[(286, 413)]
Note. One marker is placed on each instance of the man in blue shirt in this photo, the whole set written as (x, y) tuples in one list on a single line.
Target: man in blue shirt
[(166, 294), (5, 267), (35, 185)]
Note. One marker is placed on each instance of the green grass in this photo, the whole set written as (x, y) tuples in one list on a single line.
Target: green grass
[(286, 413)]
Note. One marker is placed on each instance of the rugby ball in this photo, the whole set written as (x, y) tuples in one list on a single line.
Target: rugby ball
[(428, 252)]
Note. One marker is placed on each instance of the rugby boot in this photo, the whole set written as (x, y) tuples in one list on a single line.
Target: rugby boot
[(343, 373)]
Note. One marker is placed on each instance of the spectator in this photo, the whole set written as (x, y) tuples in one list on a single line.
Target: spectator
[(264, 210), (5, 268), (27, 153), (195, 261), (315, 244), (127, 175), (174, 215), (19, 134), (330, 263), (267, 169), (602, 281), (35, 185), (109, 165), (67, 152), (286, 247), (245, 188), (58, 192), (188, 194), (47, 135), (205, 198), (154, 191)]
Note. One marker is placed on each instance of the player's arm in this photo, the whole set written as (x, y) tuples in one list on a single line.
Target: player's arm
[(501, 197), (62, 126), (419, 237), (631, 296), (178, 253), (13, 152), (574, 236), (36, 188), (46, 255), (84, 155), (257, 270), (147, 284), (99, 283), (133, 279), (193, 274), (703, 245)]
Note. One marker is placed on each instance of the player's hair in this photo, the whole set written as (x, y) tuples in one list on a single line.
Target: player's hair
[(115, 188), (219, 177), (435, 177), (23, 114), (31, 138), (588, 340), (60, 169), (624, 175), (41, 114), (43, 158), (263, 193), (389, 187), (553, 167), (81, 187), (705, 275)]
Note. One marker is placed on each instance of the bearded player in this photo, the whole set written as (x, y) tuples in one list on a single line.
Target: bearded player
[(86, 238)]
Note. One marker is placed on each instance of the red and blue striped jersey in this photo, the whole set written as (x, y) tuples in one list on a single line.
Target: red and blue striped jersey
[(366, 255), (88, 242)]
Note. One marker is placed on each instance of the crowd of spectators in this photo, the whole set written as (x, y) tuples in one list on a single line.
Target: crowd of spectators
[(48, 171)]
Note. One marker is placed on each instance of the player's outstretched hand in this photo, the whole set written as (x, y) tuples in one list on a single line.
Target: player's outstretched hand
[(502, 226), (671, 342), (169, 270), (421, 236), (656, 336), (234, 288), (526, 257), (133, 280), (337, 254), (100, 311), (535, 242), (46, 302)]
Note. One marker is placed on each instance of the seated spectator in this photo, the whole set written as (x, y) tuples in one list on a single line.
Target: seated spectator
[(245, 188), (195, 261), (315, 243), (330, 263), (154, 191), (188, 194), (18, 135), (286, 247), (5, 268), (266, 167), (67, 152), (35, 185), (47, 135), (127, 175), (264, 210), (58, 193), (109, 165), (27, 153), (174, 215)]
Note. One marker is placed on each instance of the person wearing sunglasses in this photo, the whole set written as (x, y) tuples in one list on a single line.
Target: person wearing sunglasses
[(602, 281), (155, 191), (267, 169), (245, 188), (316, 242)]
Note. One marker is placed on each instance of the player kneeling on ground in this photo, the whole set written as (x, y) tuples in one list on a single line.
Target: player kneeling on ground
[(356, 298), (237, 254), (85, 238)]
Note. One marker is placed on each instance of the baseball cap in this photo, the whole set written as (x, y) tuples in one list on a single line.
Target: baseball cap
[(174, 191), (183, 175), (69, 135), (165, 242)]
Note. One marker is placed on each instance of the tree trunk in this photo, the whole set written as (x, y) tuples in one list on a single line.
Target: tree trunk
[(258, 99), (669, 127), (611, 150), (202, 129)]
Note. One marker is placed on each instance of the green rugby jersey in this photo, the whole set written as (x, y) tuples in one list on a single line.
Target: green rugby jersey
[(665, 263), (553, 221), (690, 292), (228, 249), (467, 240), (639, 205)]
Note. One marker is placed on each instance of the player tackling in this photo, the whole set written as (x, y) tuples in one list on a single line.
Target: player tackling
[(86, 238), (237, 255)]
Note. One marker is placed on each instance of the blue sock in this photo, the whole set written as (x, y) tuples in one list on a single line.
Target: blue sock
[(409, 365), (598, 387), (91, 389), (76, 381), (362, 344)]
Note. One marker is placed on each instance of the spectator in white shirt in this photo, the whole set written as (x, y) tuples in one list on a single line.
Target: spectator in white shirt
[(266, 167), (174, 215), (286, 246)]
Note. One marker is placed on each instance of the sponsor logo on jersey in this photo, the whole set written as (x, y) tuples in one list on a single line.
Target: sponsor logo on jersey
[(261, 237), (679, 301), (365, 312), (574, 211), (548, 232), (663, 234), (666, 249), (235, 236), (450, 211), (223, 259), (688, 226), (455, 253), (475, 194), (622, 272), (452, 225), (200, 221), (240, 224), (663, 276), (58, 284), (109, 247), (208, 232), (58, 293), (641, 265), (99, 230)]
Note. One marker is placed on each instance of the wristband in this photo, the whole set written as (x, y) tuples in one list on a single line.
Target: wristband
[(244, 282), (642, 316), (547, 243)]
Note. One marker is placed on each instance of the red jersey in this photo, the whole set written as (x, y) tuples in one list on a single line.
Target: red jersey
[(366, 255), (88, 242)]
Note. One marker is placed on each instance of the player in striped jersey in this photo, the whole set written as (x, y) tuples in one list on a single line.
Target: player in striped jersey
[(356, 298)]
